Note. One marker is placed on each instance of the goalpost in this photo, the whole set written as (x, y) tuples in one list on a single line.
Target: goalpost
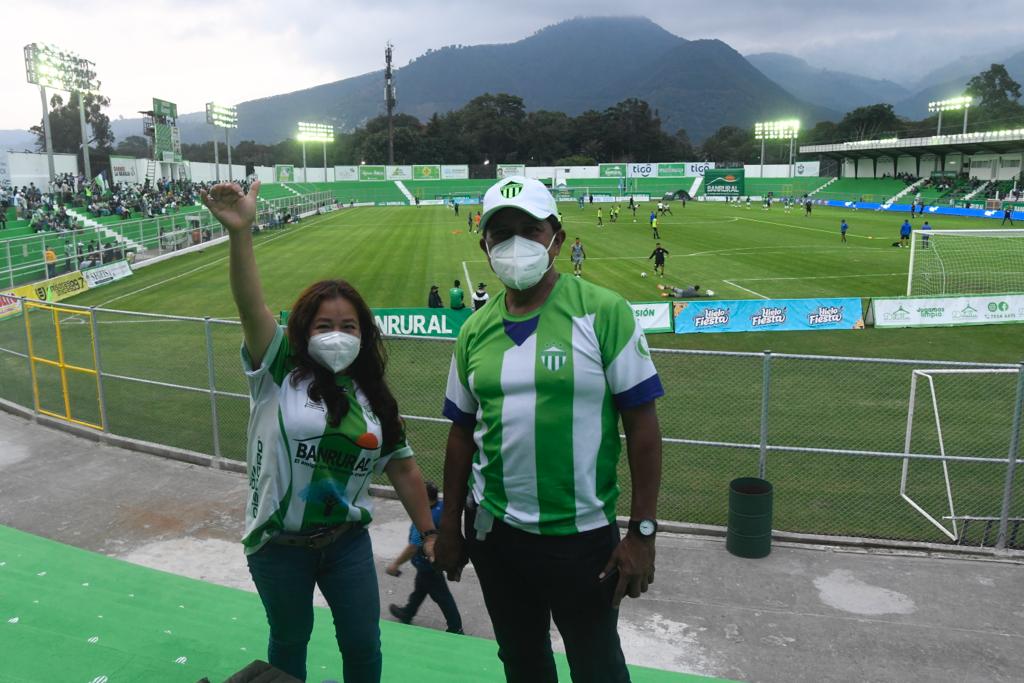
[(953, 262)]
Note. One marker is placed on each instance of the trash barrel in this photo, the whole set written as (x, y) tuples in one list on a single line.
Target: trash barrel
[(749, 533)]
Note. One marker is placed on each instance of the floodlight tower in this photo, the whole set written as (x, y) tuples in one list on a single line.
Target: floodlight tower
[(226, 117), (788, 129), (48, 65), (389, 102), (314, 132), (952, 104)]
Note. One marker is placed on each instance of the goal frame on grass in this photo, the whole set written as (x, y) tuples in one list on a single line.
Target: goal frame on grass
[(941, 270)]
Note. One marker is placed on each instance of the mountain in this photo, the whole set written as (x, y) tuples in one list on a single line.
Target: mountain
[(573, 66), (836, 90), (952, 85)]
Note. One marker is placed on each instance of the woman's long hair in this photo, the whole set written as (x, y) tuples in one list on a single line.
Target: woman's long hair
[(367, 370)]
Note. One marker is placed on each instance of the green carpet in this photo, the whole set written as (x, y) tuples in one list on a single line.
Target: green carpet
[(71, 615)]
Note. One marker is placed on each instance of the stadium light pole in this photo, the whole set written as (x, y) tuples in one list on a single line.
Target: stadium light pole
[(50, 66), (315, 132), (953, 104), (788, 129), (226, 117)]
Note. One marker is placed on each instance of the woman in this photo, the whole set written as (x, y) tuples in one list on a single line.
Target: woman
[(322, 421)]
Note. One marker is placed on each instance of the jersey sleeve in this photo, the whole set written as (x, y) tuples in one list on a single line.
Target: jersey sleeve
[(460, 405), (274, 365), (628, 367), (399, 451)]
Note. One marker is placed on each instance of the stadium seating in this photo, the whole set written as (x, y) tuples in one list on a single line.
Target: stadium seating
[(866, 189)]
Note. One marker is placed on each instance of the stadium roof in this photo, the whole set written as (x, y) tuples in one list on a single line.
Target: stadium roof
[(995, 142)]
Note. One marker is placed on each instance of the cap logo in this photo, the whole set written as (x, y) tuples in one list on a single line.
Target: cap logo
[(511, 190)]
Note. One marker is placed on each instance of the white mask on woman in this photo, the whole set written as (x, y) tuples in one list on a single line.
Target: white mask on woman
[(334, 350), (519, 262)]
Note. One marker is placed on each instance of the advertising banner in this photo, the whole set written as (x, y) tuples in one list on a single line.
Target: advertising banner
[(284, 173), (724, 182), (673, 170), (946, 311), (10, 306), (505, 170), (372, 173), (642, 170), (60, 287), (807, 169), (165, 108), (698, 168), (399, 172), (611, 170), (426, 172), (421, 322), (124, 170), (104, 275), (771, 315), (455, 173), (653, 316), (346, 173)]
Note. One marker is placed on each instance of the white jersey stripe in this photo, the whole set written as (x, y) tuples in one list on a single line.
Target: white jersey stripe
[(519, 435), (588, 385)]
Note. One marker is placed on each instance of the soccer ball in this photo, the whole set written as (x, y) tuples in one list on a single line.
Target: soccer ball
[(711, 292), (642, 274)]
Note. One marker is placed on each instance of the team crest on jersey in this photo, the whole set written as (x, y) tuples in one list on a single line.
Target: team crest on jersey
[(511, 190), (641, 346), (553, 358)]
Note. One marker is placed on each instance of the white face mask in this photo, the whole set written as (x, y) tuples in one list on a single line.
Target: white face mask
[(334, 350), (520, 263)]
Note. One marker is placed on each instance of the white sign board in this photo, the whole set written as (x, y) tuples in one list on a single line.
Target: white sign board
[(399, 172), (124, 170), (346, 173), (455, 173), (104, 275), (646, 170), (653, 316), (981, 309)]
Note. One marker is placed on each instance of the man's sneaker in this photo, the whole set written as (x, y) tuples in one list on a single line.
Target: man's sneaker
[(456, 631), (400, 613)]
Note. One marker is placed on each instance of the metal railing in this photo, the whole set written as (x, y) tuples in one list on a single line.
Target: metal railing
[(847, 449)]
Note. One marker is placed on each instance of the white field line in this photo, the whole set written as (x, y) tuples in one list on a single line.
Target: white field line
[(800, 227), (733, 284), (817, 277), (736, 251), (208, 265), (465, 271)]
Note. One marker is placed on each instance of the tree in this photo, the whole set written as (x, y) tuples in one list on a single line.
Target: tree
[(494, 124), (66, 129), (998, 94), (730, 144), (134, 146), (869, 123)]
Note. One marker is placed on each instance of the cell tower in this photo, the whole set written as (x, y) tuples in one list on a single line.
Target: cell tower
[(389, 101)]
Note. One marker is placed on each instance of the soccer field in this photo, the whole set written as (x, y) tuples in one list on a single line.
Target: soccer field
[(393, 255)]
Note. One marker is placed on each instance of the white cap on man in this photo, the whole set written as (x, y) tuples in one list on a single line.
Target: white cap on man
[(518, 192)]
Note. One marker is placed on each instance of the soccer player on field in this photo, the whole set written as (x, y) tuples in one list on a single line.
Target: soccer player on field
[(905, 233), (691, 292), (600, 219), (807, 208), (654, 227), (925, 237), (538, 383), (659, 255), (578, 255), (843, 227)]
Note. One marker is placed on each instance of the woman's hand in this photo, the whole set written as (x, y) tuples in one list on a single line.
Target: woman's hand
[(235, 210)]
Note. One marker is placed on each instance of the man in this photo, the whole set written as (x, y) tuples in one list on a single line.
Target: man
[(1007, 215), (578, 255), (434, 298), (51, 261), (843, 227), (480, 296), (456, 297), (69, 256), (654, 227), (537, 384), (666, 209), (428, 581), (658, 255), (807, 208), (469, 222), (905, 233), (600, 220), (682, 292), (925, 236), (476, 220)]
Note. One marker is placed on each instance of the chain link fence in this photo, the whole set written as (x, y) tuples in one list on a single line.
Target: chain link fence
[(878, 448)]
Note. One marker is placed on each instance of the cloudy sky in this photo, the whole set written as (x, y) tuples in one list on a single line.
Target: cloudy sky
[(191, 52)]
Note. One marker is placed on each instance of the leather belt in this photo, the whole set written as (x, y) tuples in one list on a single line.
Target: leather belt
[(317, 540)]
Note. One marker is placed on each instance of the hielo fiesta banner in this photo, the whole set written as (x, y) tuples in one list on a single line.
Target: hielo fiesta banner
[(770, 315)]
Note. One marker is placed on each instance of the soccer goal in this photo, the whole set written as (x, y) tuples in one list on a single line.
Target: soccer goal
[(954, 262), (948, 521)]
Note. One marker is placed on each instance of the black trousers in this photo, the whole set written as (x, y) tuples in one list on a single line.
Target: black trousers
[(431, 582), (529, 579)]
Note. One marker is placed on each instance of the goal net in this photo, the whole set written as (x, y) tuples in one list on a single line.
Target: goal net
[(953, 262)]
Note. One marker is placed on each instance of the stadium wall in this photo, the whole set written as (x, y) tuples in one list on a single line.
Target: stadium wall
[(25, 168)]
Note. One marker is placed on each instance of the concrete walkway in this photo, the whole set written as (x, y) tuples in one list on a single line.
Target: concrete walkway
[(805, 613)]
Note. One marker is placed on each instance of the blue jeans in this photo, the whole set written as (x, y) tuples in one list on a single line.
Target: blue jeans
[(344, 571)]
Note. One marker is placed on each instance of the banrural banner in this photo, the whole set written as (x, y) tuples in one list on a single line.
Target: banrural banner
[(611, 170), (426, 172), (724, 182), (399, 172), (945, 311), (124, 169), (104, 275), (653, 316), (455, 173), (372, 173), (284, 173), (505, 170), (421, 322), (346, 173), (771, 315)]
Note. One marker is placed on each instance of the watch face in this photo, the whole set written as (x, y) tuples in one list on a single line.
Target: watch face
[(646, 527)]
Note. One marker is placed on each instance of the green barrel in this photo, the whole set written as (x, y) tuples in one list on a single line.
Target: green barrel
[(749, 533)]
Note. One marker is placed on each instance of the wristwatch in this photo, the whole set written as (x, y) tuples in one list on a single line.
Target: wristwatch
[(428, 532), (644, 528)]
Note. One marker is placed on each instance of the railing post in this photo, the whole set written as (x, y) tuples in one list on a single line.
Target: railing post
[(97, 359), (10, 264), (213, 386), (1018, 406), (766, 374)]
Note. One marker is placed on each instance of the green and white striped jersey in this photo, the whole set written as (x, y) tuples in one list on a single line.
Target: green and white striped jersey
[(542, 394), (304, 474)]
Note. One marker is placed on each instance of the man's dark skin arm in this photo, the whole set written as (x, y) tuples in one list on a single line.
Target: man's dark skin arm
[(450, 550), (634, 556)]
